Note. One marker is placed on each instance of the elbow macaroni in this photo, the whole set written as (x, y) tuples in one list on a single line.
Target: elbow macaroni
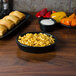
[(36, 40)]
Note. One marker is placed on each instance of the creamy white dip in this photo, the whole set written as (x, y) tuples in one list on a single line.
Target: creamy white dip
[(47, 22)]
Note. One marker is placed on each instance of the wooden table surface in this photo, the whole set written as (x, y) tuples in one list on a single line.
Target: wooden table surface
[(61, 62)]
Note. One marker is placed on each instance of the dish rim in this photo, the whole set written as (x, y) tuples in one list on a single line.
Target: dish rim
[(46, 25)]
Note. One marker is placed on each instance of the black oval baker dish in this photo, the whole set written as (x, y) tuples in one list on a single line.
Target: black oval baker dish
[(17, 26), (47, 28), (31, 49), (73, 27)]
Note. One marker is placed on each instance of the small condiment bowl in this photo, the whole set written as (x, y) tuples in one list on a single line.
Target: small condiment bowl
[(46, 27), (31, 49)]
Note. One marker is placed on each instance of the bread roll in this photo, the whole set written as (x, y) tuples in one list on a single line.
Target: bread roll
[(3, 30), (12, 18), (8, 23), (20, 15)]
